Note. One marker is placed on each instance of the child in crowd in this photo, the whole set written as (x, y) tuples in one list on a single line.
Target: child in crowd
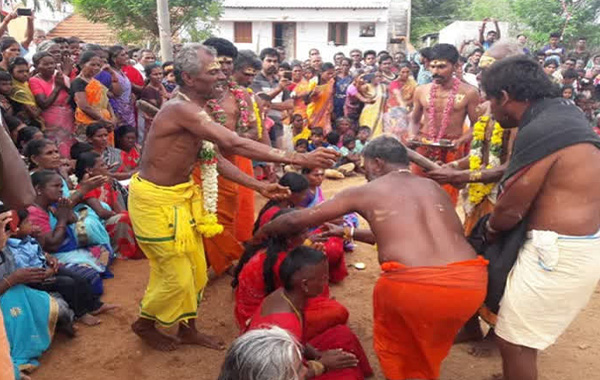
[(568, 92), (72, 287), (168, 80), (317, 139), (6, 88), (364, 133), (15, 125), (301, 147), (263, 171), (342, 166), (333, 140), (348, 155)]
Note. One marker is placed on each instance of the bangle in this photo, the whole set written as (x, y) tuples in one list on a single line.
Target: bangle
[(317, 367), (347, 235), (475, 176), (7, 282)]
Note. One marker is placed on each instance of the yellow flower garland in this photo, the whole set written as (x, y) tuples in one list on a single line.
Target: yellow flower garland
[(259, 127), (478, 191)]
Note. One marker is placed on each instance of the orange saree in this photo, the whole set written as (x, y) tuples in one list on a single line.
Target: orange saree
[(97, 97), (418, 311)]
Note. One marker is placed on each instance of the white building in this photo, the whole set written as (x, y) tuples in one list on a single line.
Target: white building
[(299, 25)]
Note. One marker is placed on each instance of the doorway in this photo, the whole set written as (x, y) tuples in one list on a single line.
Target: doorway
[(284, 35)]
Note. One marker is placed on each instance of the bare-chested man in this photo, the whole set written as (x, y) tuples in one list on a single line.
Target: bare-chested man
[(427, 264), (235, 210), (551, 184), (443, 105), (165, 203)]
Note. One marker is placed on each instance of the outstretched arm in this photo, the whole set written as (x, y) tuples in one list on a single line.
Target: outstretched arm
[(233, 173), (497, 29), (482, 31), (297, 221), (201, 125)]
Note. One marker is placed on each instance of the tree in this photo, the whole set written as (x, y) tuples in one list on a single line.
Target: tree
[(137, 19), (543, 17), (429, 16)]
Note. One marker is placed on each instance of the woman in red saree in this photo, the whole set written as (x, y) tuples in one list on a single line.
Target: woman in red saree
[(108, 203), (335, 353), (125, 139), (257, 275)]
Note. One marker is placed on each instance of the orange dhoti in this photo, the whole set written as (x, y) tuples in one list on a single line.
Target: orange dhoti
[(245, 212), (418, 311), (444, 155), (223, 249)]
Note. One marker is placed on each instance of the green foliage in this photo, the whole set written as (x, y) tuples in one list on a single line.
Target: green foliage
[(136, 20), (429, 16), (543, 17)]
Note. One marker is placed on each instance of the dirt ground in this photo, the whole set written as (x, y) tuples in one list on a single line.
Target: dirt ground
[(112, 351)]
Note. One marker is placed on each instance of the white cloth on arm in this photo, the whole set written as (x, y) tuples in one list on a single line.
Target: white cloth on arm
[(551, 281)]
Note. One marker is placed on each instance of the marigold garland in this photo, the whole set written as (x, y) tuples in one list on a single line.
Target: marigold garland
[(259, 126), (478, 191)]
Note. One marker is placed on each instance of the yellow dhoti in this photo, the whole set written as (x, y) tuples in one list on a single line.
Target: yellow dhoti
[(164, 223)]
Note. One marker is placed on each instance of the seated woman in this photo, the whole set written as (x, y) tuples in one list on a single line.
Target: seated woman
[(333, 354), (126, 140), (26, 135), (257, 275), (297, 184), (97, 136), (30, 331), (106, 201), (53, 215), (73, 288)]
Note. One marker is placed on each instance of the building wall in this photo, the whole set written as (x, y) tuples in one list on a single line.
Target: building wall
[(459, 31), (311, 28)]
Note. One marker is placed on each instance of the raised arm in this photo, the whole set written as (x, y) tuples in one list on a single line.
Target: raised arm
[(7, 19), (200, 124), (16, 190), (482, 31), (28, 32), (497, 29)]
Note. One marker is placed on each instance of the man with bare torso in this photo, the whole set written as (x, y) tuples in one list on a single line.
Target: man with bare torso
[(235, 202), (551, 184), (431, 281), (167, 209), (443, 104)]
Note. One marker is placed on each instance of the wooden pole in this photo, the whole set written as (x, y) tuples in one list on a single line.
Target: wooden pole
[(164, 30)]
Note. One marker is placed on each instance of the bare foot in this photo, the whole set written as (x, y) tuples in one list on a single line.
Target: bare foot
[(192, 336), (485, 348), (89, 320), (104, 308), (152, 337)]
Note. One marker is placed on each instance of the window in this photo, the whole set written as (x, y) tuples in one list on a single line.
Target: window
[(338, 33), (242, 32), (367, 29)]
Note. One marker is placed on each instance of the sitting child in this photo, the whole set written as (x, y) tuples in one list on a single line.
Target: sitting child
[(342, 167), (72, 287), (348, 155), (301, 147), (317, 139), (364, 133)]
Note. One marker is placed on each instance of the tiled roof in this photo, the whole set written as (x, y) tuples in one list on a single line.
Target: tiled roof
[(323, 4), (76, 25)]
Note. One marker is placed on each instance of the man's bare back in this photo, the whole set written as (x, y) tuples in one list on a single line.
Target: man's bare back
[(465, 103), (413, 221)]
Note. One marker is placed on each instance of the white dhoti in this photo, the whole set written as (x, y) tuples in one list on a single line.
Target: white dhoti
[(551, 281)]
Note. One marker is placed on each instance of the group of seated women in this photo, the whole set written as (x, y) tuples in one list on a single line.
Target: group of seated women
[(284, 282)]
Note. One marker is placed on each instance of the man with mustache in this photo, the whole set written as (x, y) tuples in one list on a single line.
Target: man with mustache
[(223, 249), (266, 81), (168, 211), (445, 103)]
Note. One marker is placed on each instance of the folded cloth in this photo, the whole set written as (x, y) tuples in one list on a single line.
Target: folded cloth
[(548, 126), (418, 312), (163, 220), (501, 254), (551, 281)]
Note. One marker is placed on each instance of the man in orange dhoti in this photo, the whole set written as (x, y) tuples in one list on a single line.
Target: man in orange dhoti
[(446, 102), (235, 204), (432, 281)]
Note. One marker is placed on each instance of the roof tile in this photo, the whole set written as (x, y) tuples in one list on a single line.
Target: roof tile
[(77, 25)]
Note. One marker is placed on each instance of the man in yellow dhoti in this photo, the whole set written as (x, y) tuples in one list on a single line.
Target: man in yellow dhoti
[(170, 214)]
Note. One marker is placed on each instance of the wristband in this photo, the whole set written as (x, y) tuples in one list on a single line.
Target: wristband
[(317, 367)]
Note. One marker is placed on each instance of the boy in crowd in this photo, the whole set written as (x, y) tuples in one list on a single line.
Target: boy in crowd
[(364, 133), (300, 147), (317, 139)]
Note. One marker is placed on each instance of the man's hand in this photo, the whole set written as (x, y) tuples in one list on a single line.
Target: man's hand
[(446, 175), (330, 229), (274, 191), (338, 359), (318, 158), (27, 275), (284, 83)]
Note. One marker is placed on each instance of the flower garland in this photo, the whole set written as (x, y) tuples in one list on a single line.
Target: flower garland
[(259, 126), (209, 225), (478, 191), (239, 93), (447, 111)]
